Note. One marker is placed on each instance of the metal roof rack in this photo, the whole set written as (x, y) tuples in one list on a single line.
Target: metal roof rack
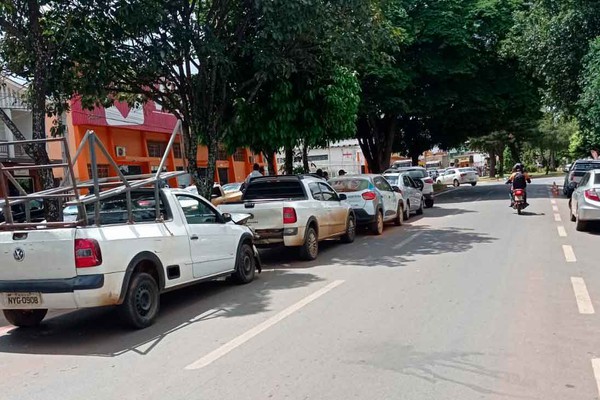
[(80, 194)]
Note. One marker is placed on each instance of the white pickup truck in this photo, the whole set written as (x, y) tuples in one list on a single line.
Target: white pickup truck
[(121, 263), (296, 211)]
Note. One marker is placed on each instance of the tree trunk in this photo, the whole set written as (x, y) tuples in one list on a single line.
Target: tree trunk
[(271, 161), (501, 163), (206, 185), (289, 160), (492, 164), (376, 138), (305, 165), (415, 158), (191, 154)]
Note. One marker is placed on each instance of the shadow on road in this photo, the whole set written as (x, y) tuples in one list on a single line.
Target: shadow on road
[(489, 192), (99, 332)]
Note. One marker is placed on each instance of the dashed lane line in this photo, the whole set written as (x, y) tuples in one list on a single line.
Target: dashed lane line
[(561, 231), (584, 302), (569, 253), (557, 218), (258, 329), (407, 240), (552, 201), (596, 368), (555, 208)]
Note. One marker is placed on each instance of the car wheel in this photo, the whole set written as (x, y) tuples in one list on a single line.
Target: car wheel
[(571, 215), (310, 250), (580, 225), (399, 220), (420, 210), (439, 182), (407, 211), (245, 268), (377, 226), (429, 203), (25, 318), (142, 301), (456, 183), (350, 234), (473, 183)]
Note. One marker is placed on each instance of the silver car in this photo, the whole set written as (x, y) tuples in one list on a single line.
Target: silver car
[(372, 198), (411, 191), (585, 201)]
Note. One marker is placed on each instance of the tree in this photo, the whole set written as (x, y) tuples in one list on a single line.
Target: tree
[(40, 41), (589, 101)]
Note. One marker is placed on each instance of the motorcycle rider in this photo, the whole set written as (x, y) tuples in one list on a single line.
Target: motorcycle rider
[(519, 179)]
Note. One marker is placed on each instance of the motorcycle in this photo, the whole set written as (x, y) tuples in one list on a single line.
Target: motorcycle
[(519, 203)]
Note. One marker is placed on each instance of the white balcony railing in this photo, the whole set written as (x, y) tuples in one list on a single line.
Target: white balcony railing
[(11, 99)]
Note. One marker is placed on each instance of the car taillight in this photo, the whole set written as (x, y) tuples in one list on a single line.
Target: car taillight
[(572, 176), (591, 194), (87, 253), (463, 175), (518, 192), (289, 215), (369, 195), (428, 180)]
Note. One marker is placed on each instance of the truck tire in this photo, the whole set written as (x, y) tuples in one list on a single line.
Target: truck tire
[(428, 203), (399, 220), (350, 234), (25, 318), (310, 249), (245, 267), (142, 301)]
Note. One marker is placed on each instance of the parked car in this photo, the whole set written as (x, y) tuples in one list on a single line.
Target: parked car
[(458, 176), (584, 205), (232, 187), (410, 189), (295, 211), (36, 212), (373, 200), (219, 195), (117, 263), (420, 174), (576, 172)]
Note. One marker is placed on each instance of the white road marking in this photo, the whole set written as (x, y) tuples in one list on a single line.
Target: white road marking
[(553, 201), (263, 326), (584, 303), (561, 231), (5, 329), (407, 240), (569, 253), (555, 208), (596, 367), (557, 218)]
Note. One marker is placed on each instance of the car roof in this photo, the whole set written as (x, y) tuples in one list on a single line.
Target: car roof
[(355, 176)]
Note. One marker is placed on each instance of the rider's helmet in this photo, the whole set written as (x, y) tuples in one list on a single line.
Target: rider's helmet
[(518, 167)]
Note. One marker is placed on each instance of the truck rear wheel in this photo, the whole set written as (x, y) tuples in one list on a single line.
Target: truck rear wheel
[(25, 318), (245, 265), (310, 249), (142, 301)]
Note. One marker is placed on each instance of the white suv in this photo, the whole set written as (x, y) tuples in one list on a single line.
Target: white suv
[(419, 174)]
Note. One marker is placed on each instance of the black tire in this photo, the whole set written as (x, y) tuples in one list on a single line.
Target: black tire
[(420, 210), (428, 203), (142, 302), (473, 183), (580, 225), (407, 211), (519, 211), (571, 215), (310, 249), (245, 265), (25, 318), (399, 220), (350, 234), (456, 183), (377, 226)]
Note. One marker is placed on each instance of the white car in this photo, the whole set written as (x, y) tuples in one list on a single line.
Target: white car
[(113, 262), (373, 200), (410, 190), (584, 205), (458, 176), (295, 211), (420, 174)]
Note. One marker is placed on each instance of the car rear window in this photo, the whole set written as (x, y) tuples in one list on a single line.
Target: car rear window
[(113, 210), (597, 179), (392, 179), (586, 166), (349, 185), (274, 190), (465, 170), (417, 174)]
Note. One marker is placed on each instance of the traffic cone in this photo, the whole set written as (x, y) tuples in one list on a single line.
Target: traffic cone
[(554, 190)]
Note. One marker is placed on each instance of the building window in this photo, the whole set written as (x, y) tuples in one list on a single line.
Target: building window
[(177, 150), (239, 155), (156, 149), (222, 153), (103, 170)]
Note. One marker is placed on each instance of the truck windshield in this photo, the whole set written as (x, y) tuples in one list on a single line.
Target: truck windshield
[(274, 190)]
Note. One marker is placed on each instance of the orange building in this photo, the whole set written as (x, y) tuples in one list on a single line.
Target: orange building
[(137, 138)]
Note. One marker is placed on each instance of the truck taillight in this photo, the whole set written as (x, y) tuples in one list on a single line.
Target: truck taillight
[(289, 215), (369, 195), (428, 180), (591, 194), (87, 253)]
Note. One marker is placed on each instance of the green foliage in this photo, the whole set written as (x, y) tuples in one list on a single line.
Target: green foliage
[(589, 102)]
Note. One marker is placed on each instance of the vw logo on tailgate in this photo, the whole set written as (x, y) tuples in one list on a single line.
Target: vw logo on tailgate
[(19, 254)]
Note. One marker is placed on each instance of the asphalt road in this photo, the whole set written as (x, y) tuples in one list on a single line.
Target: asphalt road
[(470, 301)]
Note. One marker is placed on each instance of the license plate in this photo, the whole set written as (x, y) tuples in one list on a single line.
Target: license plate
[(518, 198), (22, 300)]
